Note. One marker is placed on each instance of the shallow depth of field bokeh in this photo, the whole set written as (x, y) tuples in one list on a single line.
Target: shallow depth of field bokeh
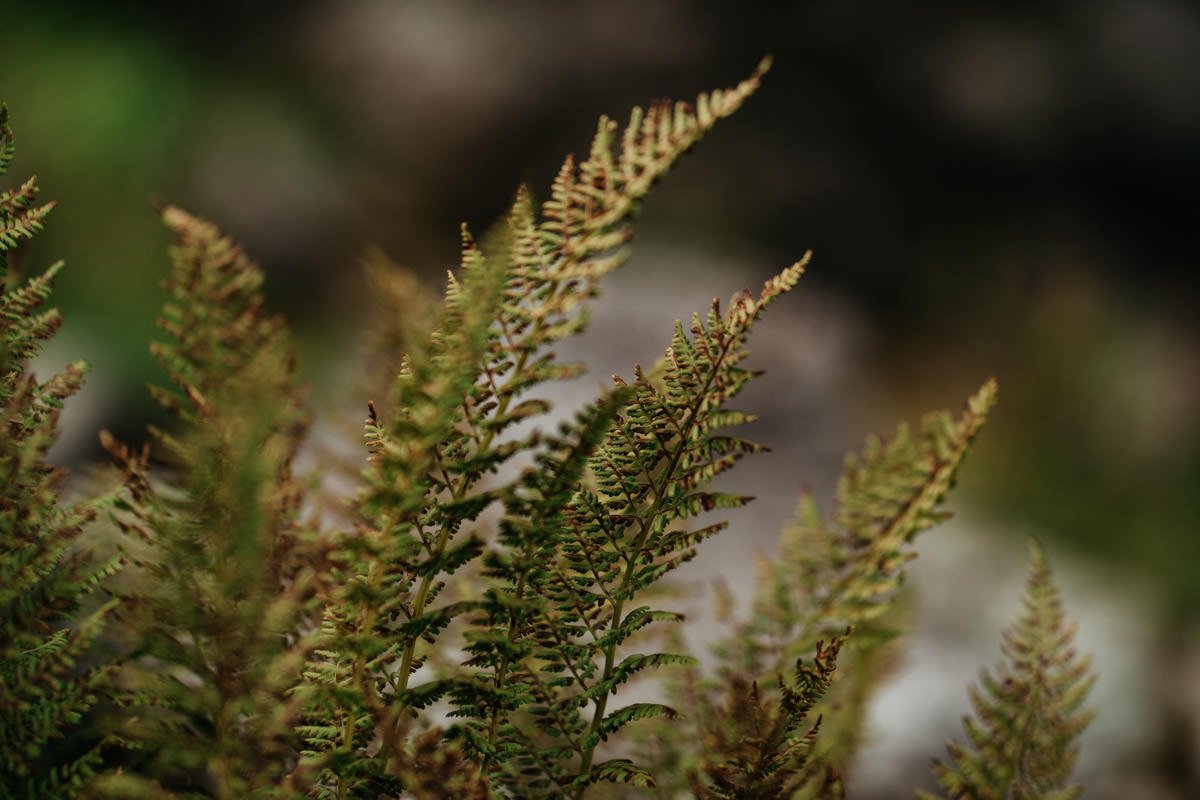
[(1007, 193)]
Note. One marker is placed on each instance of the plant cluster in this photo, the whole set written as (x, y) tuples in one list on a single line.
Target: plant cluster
[(466, 624)]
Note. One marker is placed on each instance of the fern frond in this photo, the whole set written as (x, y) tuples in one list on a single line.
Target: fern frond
[(523, 571), (449, 425), (224, 579), (764, 744), (888, 495), (46, 685), (849, 573), (214, 320), (1030, 711), (20, 218), (649, 476), (388, 569)]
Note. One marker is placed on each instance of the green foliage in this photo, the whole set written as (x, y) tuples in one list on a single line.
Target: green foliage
[(47, 628), (446, 429), (1029, 712), (839, 581), (847, 574), (471, 622), (217, 609)]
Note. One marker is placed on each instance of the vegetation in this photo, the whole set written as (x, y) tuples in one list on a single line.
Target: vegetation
[(46, 621), (466, 624)]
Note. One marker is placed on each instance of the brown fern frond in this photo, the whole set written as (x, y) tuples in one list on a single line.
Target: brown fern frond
[(762, 745), (227, 570), (1029, 711)]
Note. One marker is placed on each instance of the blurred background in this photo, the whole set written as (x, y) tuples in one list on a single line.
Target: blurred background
[(986, 192)]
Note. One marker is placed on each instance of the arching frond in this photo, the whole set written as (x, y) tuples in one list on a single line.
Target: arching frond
[(623, 531), (847, 574), (451, 423)]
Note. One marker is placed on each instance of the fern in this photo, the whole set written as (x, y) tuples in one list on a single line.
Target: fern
[(829, 577), (564, 619), (765, 746), (1029, 711), (852, 572), (45, 688), (839, 581), (848, 574), (218, 606), (473, 630), (520, 292)]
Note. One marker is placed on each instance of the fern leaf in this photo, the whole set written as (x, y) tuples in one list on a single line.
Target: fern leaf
[(888, 495), (1030, 711), (619, 770), (760, 744), (630, 665), (214, 320), (849, 573), (20, 218), (224, 581), (612, 722), (525, 570), (415, 500), (45, 579), (448, 426), (648, 474)]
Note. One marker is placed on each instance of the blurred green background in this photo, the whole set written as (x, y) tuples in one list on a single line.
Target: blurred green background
[(1005, 191)]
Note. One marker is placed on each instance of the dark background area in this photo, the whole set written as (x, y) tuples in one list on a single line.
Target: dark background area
[(987, 190)]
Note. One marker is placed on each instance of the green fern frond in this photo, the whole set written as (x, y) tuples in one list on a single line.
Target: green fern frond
[(20, 217), (223, 582), (522, 573), (848, 574), (887, 496), (449, 425), (1029, 712), (46, 685), (413, 504), (624, 531), (217, 330)]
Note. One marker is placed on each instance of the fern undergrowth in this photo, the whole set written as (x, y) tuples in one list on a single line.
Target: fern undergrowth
[(467, 624)]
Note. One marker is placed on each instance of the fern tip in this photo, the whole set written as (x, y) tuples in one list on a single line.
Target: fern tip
[(984, 399)]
